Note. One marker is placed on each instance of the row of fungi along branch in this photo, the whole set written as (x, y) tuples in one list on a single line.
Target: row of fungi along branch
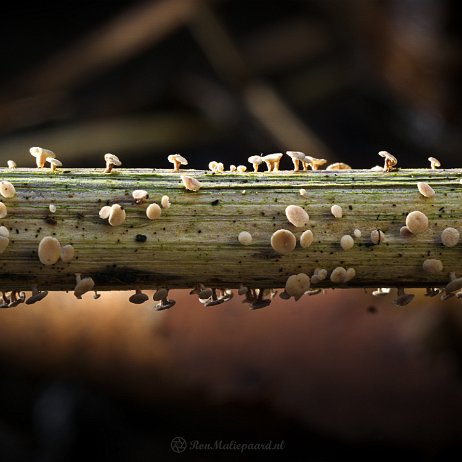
[(282, 241)]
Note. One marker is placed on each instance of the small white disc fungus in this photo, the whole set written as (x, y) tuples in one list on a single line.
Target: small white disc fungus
[(165, 202), (338, 275), (306, 239), (49, 250), (283, 241), (297, 285), (245, 238), (350, 274), (67, 253), (105, 212), (190, 183), (153, 211), (425, 189), (297, 216), (357, 233), (336, 211), (4, 231), (140, 195), (417, 222), (404, 231), (432, 265), (302, 192), (52, 208), (450, 237), (3, 210), (117, 215), (377, 236), (347, 242), (7, 189)]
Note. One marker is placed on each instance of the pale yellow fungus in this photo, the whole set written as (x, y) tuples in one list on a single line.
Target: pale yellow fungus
[(350, 274), (190, 183), (233, 168), (306, 239), (153, 211), (297, 285), (432, 266), (140, 195), (347, 242), (67, 253), (111, 161), (7, 190), (314, 163), (425, 189), (4, 231), (296, 157), (245, 238), (83, 286), (3, 210), (165, 202), (40, 155), (404, 231), (434, 163), (417, 222), (105, 212), (11, 164), (255, 161), (52, 208), (357, 233), (54, 163), (297, 216), (338, 275), (117, 215), (336, 211), (177, 160), (49, 250), (390, 161), (377, 236), (213, 166), (220, 167), (338, 166), (450, 237), (302, 192), (283, 241), (272, 161), (241, 168)]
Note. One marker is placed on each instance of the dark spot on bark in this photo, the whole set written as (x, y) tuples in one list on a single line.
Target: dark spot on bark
[(140, 238), (350, 207), (50, 220), (215, 202)]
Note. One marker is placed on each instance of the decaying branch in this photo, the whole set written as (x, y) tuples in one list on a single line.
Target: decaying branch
[(195, 240)]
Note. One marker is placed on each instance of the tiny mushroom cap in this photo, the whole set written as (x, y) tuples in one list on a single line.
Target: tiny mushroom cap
[(3, 210), (376, 168), (272, 161), (241, 168), (105, 212), (7, 190), (165, 304), (455, 284), (425, 189), (49, 250), (357, 233), (4, 242), (53, 163), (302, 192), (140, 195), (377, 236), (138, 298), (347, 242), (213, 166), (403, 298), (350, 274), (11, 164), (432, 265), (111, 161), (338, 166), (165, 202), (404, 231), (297, 216), (306, 239), (315, 163), (83, 286), (160, 294), (390, 160), (36, 296), (381, 291), (177, 160), (52, 208), (296, 157), (434, 162), (233, 168), (67, 253), (417, 222), (255, 161), (245, 238), (336, 211), (153, 211), (117, 215), (220, 167), (338, 275), (450, 237), (190, 183), (283, 241), (4, 231), (40, 155), (297, 285)]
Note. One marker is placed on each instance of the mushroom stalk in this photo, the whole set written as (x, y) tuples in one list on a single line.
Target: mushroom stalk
[(195, 240)]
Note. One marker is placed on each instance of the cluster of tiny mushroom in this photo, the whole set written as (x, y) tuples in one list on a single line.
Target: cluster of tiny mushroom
[(283, 241)]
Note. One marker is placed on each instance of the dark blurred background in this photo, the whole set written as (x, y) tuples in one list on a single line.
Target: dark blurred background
[(338, 375)]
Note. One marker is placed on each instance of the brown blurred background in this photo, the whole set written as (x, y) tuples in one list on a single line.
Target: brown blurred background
[(341, 374)]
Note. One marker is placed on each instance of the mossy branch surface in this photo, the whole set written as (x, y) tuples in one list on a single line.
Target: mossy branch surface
[(196, 239)]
